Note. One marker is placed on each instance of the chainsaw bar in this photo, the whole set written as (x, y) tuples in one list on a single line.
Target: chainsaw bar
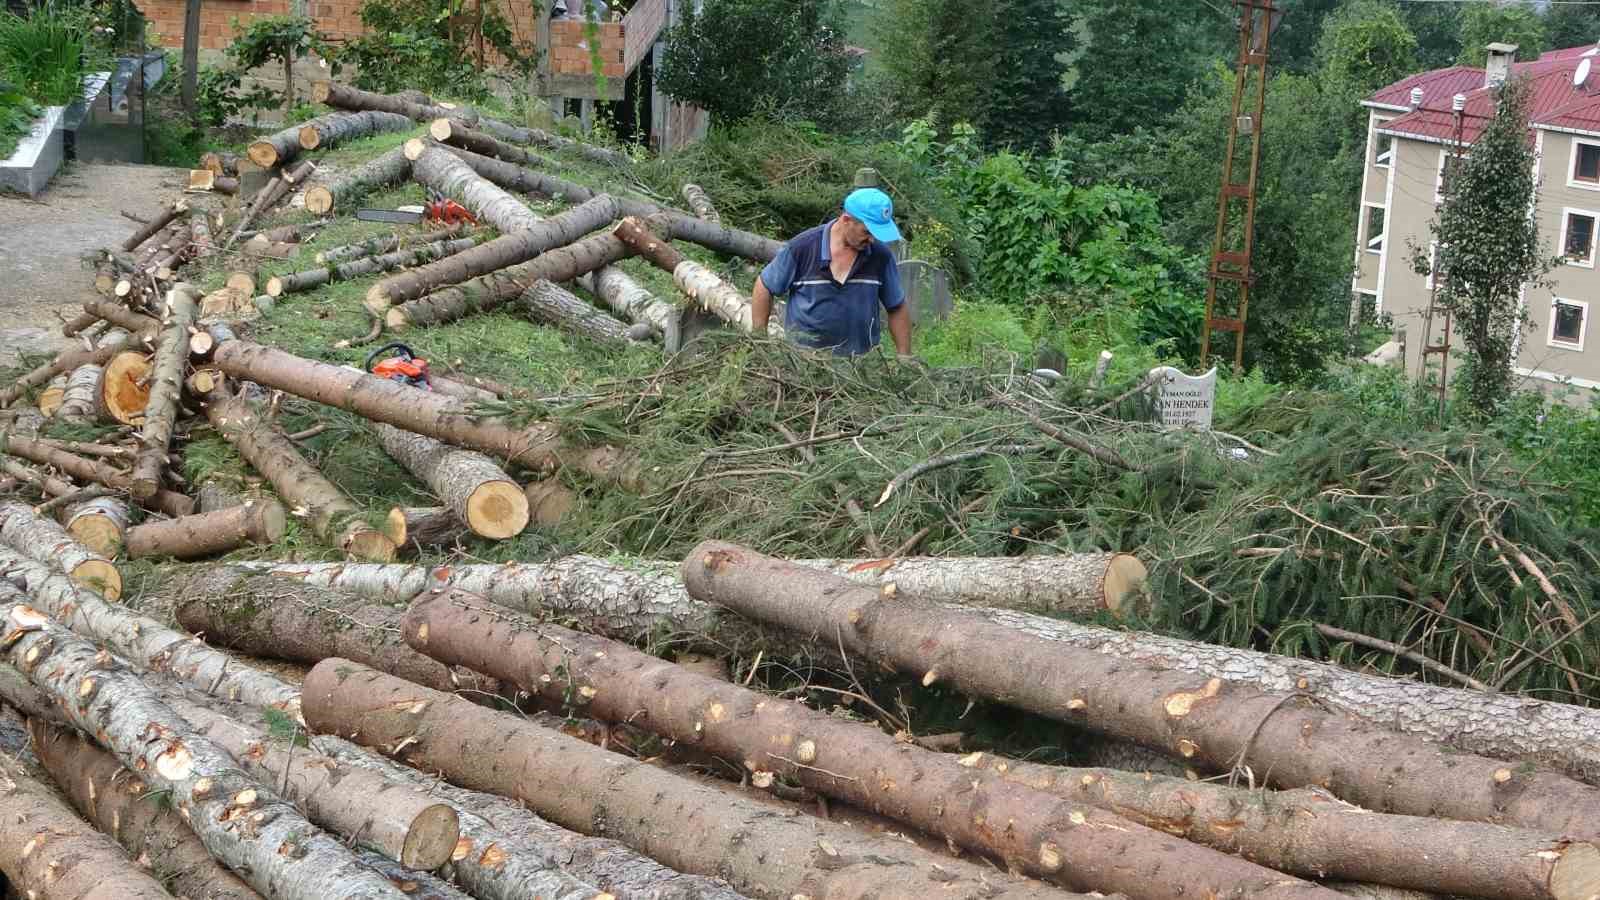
[(404, 215)]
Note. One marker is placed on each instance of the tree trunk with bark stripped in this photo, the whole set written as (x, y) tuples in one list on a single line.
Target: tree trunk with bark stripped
[(457, 133), (479, 492), (700, 203), (101, 524), (165, 501), (117, 801), (495, 289), (1218, 723), (279, 285), (47, 852), (42, 539), (154, 224), (703, 286), (381, 171), (329, 131), (687, 825), (631, 300), (161, 413), (244, 824), (839, 758), (440, 170), (388, 243), (416, 528), (550, 304), (209, 534), (415, 106), (333, 517), (389, 402), (506, 250), (65, 361)]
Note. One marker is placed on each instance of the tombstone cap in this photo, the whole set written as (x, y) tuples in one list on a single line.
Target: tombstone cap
[(873, 208)]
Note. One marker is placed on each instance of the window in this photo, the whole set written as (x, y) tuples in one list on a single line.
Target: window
[(1586, 163), (1577, 237), (1382, 150), (1375, 229), (1569, 320)]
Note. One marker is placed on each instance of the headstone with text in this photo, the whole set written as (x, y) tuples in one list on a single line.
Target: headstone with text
[(1184, 401)]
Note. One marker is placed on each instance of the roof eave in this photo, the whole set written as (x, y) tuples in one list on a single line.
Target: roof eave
[(1562, 129), (1425, 138), (1373, 104)]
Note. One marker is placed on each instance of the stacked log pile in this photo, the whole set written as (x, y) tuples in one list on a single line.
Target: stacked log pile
[(569, 726)]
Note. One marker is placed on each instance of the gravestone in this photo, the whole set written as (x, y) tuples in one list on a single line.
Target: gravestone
[(1185, 401), (927, 289)]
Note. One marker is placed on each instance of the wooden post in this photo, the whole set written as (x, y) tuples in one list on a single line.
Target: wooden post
[(191, 60)]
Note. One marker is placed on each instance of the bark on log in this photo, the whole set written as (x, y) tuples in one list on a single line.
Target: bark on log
[(124, 390), (132, 322), (334, 518), (225, 184), (389, 402), (220, 162), (549, 501), (630, 300), (42, 539), (487, 292), (199, 232), (101, 524), (243, 823), (213, 495), (476, 490), (50, 397), (282, 147), (835, 757), (1079, 583), (208, 534), (387, 169), (172, 352), (65, 361), (719, 237), (399, 821), (79, 323), (686, 825), (165, 501), (260, 247), (1220, 724), (47, 852), (551, 304), (329, 131), (506, 132), (700, 203), (417, 107), (458, 133), (416, 528), (156, 223), (388, 243), (146, 642), (460, 390), (707, 289), (358, 268), (440, 170), (45, 484), (503, 251), (117, 801)]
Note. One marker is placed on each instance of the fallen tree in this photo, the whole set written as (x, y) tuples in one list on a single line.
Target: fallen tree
[(388, 243), (278, 285), (209, 533), (65, 361), (1220, 724), (687, 825), (166, 377), (438, 169), (506, 250), (836, 757), (476, 490), (554, 305), (417, 107), (329, 131), (41, 539), (457, 133), (703, 286), (333, 517), (413, 528), (631, 300), (117, 801), (133, 322), (381, 171)]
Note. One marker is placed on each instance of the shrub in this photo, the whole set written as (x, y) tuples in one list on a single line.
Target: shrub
[(42, 56)]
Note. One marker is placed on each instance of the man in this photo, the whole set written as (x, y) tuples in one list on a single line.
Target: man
[(836, 276)]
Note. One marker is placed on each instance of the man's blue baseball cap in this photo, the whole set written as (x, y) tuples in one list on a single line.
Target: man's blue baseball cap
[(873, 208)]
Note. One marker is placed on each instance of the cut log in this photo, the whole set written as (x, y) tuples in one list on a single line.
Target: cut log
[(293, 233), (213, 495), (260, 247), (329, 131), (479, 492), (46, 485), (388, 243), (224, 303), (389, 402), (549, 501), (399, 821), (631, 300), (503, 251), (65, 361), (505, 132), (124, 387), (417, 107), (437, 168), (700, 203), (199, 232), (705, 287), (299, 172), (333, 517), (100, 524), (243, 282), (208, 534), (487, 292), (281, 618), (220, 162), (458, 133), (415, 528), (687, 825), (718, 237), (836, 757), (389, 168), (166, 376), (77, 324), (146, 642), (461, 390), (359, 268), (42, 539), (201, 179), (51, 395), (132, 322), (551, 304), (282, 147), (225, 184), (1217, 723), (204, 383), (48, 852), (243, 823), (154, 224), (1077, 583), (118, 802), (19, 444)]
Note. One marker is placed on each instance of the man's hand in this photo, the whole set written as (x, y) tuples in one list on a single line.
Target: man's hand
[(760, 308)]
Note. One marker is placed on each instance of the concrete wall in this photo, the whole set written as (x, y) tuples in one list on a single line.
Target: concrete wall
[(1575, 281)]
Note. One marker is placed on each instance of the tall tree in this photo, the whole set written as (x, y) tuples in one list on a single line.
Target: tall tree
[(1572, 26), (1364, 46), (1489, 248), (1486, 23), (938, 59), (1034, 43), (1438, 30)]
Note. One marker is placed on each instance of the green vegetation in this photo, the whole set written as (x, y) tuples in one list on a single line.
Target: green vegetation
[(17, 114), (42, 55)]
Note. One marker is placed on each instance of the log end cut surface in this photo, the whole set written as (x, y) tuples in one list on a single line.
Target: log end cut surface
[(97, 532), (432, 838), (364, 543), (125, 387), (263, 154), (497, 510), (1125, 584), (100, 576), (1577, 874), (319, 200)]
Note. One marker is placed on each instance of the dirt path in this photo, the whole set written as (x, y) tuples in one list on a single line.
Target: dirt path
[(40, 242)]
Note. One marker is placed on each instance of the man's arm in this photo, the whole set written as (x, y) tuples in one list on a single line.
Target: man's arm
[(775, 276), (900, 328), (760, 307)]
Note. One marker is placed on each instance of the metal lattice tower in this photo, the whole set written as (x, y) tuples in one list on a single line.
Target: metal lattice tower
[(1229, 279)]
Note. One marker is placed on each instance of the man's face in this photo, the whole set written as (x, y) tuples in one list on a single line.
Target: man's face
[(853, 233)]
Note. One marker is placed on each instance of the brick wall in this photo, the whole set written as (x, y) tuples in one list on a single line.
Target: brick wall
[(570, 55)]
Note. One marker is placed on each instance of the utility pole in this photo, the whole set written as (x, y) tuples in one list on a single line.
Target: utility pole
[(191, 60), (1437, 274), (1229, 278)]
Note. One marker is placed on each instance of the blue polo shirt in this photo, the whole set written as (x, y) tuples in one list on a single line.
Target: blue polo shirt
[(827, 314)]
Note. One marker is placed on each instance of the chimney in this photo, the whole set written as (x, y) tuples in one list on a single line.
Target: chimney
[(1416, 98), (1498, 67)]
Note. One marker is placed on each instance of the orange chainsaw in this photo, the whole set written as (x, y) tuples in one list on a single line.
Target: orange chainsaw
[(403, 366)]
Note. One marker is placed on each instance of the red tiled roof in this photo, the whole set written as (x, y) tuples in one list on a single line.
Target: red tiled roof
[(1554, 103)]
